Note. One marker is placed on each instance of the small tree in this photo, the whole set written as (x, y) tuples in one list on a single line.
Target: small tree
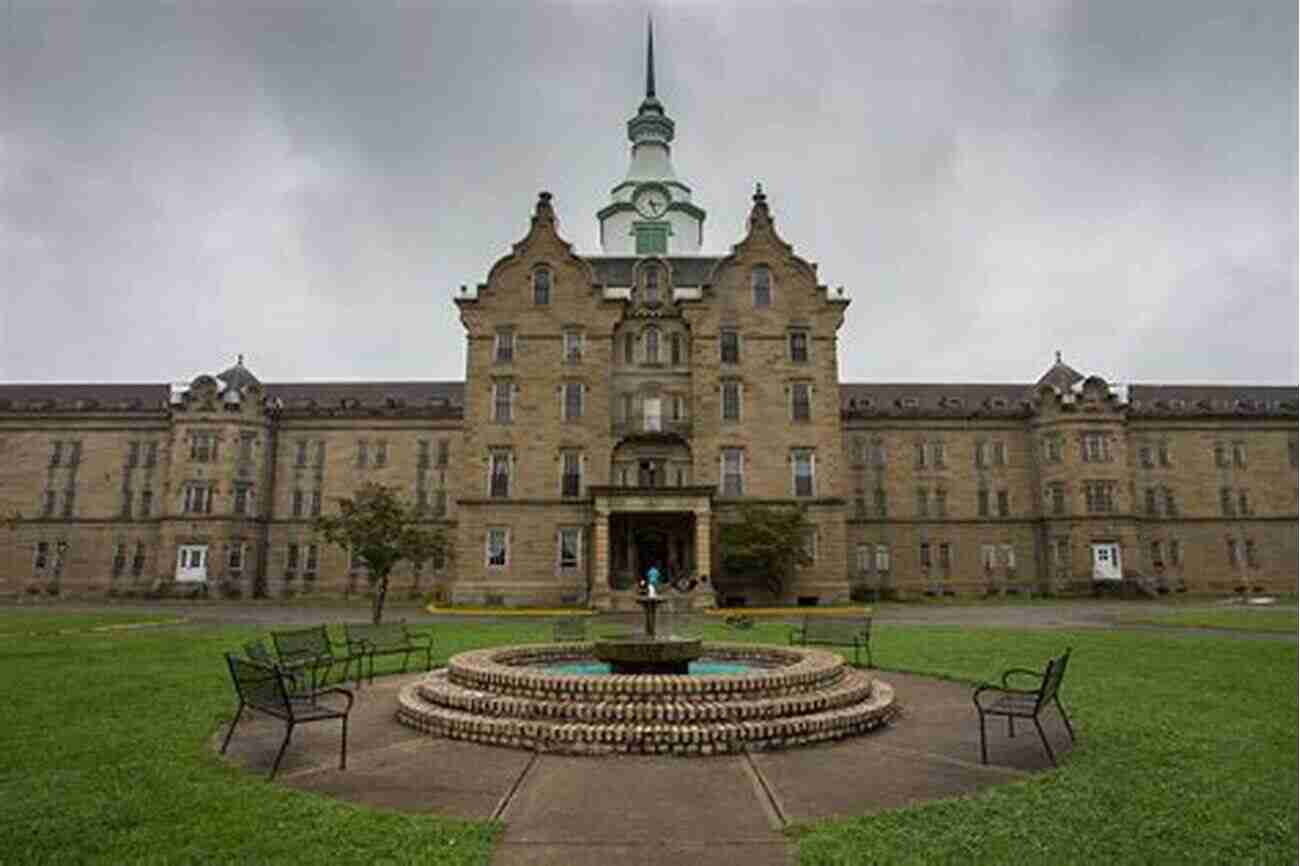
[(377, 528), (768, 541)]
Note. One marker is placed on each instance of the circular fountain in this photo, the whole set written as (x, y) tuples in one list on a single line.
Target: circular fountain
[(650, 653), (554, 698)]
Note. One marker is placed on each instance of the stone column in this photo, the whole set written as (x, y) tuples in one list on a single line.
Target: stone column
[(703, 597), (600, 597)]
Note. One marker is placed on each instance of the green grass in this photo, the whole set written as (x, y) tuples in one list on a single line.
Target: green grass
[(17, 622), (1187, 754), (1237, 618)]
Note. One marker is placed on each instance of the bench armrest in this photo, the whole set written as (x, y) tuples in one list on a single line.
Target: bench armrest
[(338, 691), (1038, 675), (1002, 690)]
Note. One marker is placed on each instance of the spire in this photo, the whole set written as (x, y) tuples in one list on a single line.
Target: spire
[(650, 58)]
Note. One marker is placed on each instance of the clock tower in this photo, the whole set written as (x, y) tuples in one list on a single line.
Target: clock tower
[(650, 212)]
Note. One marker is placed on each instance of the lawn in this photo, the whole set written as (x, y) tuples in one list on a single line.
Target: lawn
[(1187, 754), (1236, 618)]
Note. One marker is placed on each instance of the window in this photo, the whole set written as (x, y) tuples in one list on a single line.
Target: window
[(1098, 497), (47, 504), (629, 348), (988, 557), (151, 455), (498, 550), (132, 460), (652, 345), (570, 548), (315, 503), (502, 397), (320, 455), (921, 457), (137, 561), (679, 408), (235, 556), (1145, 458), (877, 453), (1151, 501), (243, 493), (1096, 448), (203, 447), (801, 401), (1226, 504), (444, 452), (882, 502), (1239, 454), (381, 453), (1220, 455), (297, 503), (941, 503), (1052, 449), (882, 558), (198, 499), (1061, 554), (146, 502), (981, 454), (572, 401), (570, 474), (1251, 559), (1162, 453), (1157, 554), (1056, 494), (542, 286), (760, 281), (864, 558), (651, 285), (938, 454), (1175, 552), (733, 472), (1171, 505), (1004, 504), (42, 556), (74, 457), (56, 453), (804, 462), (504, 350), (1234, 554), (676, 350), (128, 501), (119, 559), (1009, 558), (798, 347), (729, 341), (922, 502), (982, 501), (499, 484), (422, 454), (572, 346), (309, 568), (999, 453), (730, 401), (925, 555), (1243, 503), (300, 458), (945, 556), (363, 454), (291, 560)]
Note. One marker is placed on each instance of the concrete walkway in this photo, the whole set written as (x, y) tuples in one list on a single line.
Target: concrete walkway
[(637, 810)]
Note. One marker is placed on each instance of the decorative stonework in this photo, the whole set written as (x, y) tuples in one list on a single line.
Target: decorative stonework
[(500, 697)]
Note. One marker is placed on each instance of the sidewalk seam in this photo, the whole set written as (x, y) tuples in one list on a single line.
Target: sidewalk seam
[(772, 805), (504, 802)]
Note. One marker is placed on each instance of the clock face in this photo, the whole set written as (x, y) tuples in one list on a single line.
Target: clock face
[(651, 202)]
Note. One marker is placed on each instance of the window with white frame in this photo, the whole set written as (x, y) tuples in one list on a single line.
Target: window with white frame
[(801, 401), (570, 474), (803, 462), (499, 469), (569, 553), (198, 499), (679, 407), (729, 346), (1096, 448), (497, 547), (882, 558), (760, 282), (733, 472), (503, 392), (1009, 558), (572, 406), (989, 556), (504, 350), (730, 400), (864, 558), (572, 346)]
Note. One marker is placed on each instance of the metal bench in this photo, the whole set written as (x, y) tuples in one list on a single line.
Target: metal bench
[(263, 688), (1003, 700), (310, 649), (569, 629), (836, 631), (367, 640)]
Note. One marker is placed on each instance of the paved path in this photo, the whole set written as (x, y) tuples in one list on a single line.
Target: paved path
[(634, 810)]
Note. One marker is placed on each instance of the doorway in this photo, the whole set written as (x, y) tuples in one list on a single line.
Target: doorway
[(1106, 564), (192, 563)]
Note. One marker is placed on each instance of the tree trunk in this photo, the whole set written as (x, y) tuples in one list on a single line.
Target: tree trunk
[(381, 591)]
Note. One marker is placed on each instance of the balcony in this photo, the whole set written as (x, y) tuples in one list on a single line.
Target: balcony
[(650, 426)]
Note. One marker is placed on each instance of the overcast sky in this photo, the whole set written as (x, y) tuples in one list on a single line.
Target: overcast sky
[(310, 184)]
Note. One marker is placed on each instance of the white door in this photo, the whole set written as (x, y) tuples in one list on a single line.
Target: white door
[(1106, 564), (192, 563)]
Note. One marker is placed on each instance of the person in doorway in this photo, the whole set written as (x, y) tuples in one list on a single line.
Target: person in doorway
[(652, 579)]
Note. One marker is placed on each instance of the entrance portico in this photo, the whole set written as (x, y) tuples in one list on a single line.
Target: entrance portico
[(636, 527)]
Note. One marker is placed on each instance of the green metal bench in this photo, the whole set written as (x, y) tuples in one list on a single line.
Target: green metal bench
[(310, 649), (569, 629), (836, 631), (367, 640), (1003, 700)]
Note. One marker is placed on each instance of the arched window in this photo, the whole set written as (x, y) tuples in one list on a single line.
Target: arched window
[(542, 286), (651, 285), (652, 346), (760, 280)]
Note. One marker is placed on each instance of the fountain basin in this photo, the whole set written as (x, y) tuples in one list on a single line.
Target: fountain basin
[(665, 655)]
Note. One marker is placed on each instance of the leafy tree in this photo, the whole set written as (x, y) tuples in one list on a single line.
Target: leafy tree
[(767, 541), (381, 531)]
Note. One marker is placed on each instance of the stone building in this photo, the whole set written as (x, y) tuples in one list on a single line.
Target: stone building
[(617, 408)]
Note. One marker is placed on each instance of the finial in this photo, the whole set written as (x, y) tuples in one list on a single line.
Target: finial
[(650, 58), (758, 192), (240, 360), (1058, 356)]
